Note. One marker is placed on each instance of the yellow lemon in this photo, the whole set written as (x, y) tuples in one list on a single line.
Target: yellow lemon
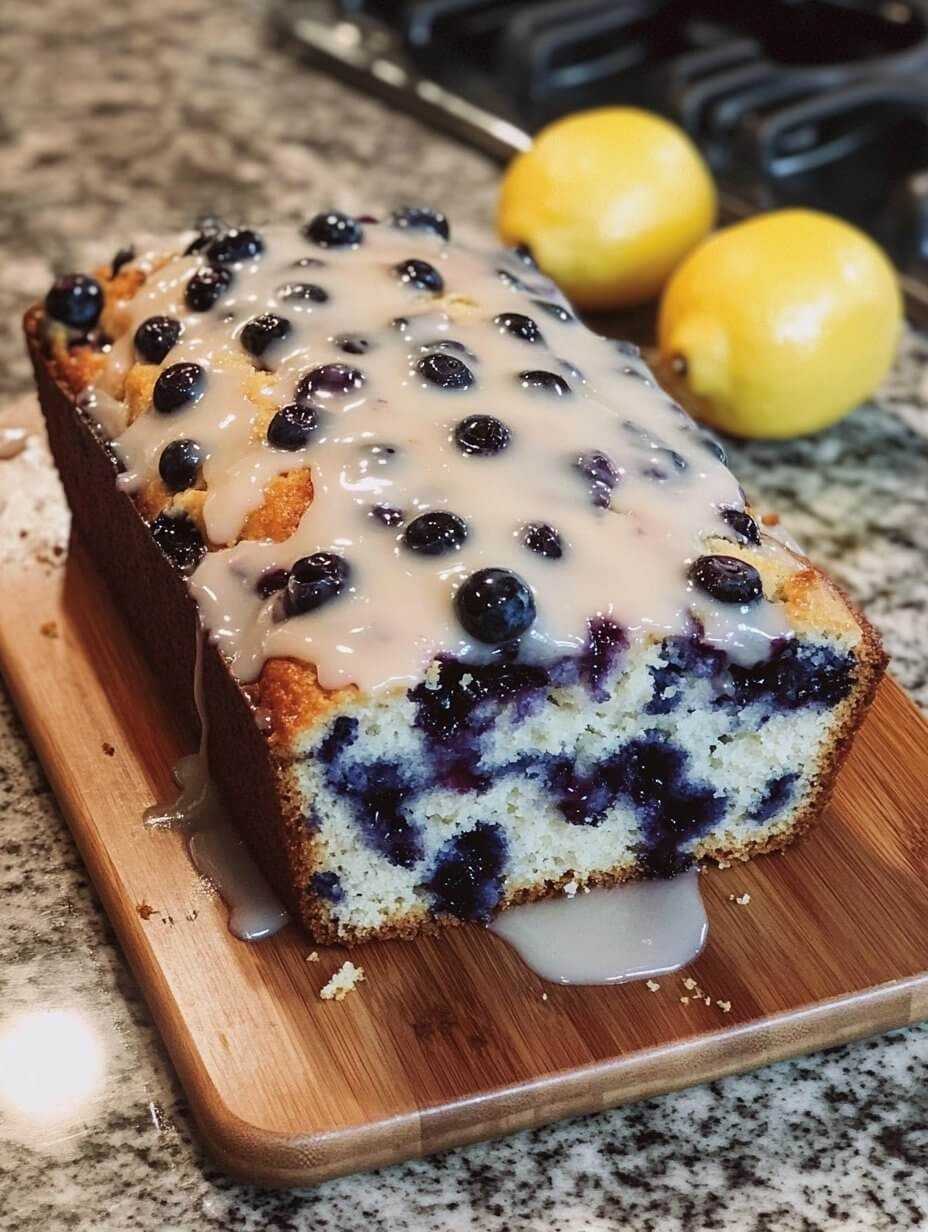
[(609, 202), (780, 325)]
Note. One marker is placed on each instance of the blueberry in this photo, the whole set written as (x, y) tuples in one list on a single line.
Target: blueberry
[(727, 579), (315, 580), (177, 386), (602, 473), (548, 382), (421, 218), (682, 659), (302, 292), (123, 257), (459, 702), (742, 524), (292, 426), (796, 675), (155, 337), (445, 371), (75, 300), (352, 344), (327, 885), (180, 541), (558, 311), (341, 736), (511, 280), (543, 539), (376, 792), (433, 534), (333, 230), (673, 808), (179, 464), (234, 246), (258, 334), (482, 434), (467, 881), (271, 581), (328, 380), (629, 349), (519, 326), (495, 606), (605, 642), (206, 286), (419, 274), (207, 226), (774, 798), (714, 447), (387, 515)]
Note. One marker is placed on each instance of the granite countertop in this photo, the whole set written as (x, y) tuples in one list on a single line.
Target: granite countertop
[(129, 118)]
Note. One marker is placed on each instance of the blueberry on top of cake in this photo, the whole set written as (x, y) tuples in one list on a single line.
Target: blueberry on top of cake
[(509, 614)]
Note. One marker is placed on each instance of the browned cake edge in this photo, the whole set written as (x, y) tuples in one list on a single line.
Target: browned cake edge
[(251, 776)]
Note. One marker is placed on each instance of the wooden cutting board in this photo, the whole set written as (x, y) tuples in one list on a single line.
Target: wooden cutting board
[(451, 1039)]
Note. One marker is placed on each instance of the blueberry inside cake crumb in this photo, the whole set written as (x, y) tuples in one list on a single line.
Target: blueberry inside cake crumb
[(505, 620)]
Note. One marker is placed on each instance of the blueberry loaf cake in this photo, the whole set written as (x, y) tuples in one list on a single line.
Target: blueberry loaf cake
[(486, 612)]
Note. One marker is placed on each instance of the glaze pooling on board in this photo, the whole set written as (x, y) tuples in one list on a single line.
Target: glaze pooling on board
[(610, 936), (619, 471), (216, 849)]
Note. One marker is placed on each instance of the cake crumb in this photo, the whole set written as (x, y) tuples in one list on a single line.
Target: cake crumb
[(108, 749), (684, 1000), (313, 956), (544, 996), (743, 899), (771, 519), (571, 889), (345, 979), (724, 863), (724, 1006), (432, 677), (652, 985), (708, 1000), (49, 629), (689, 984), (145, 911)]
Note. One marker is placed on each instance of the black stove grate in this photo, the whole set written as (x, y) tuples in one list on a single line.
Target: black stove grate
[(813, 102)]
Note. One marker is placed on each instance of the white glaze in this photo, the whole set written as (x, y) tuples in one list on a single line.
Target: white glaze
[(216, 849), (628, 562), (628, 932)]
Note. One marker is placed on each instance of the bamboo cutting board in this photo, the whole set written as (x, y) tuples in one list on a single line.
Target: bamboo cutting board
[(451, 1039)]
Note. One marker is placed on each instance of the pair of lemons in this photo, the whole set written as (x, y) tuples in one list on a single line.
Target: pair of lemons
[(774, 327)]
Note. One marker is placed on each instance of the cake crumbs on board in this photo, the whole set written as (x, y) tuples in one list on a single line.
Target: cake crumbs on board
[(652, 985), (49, 629), (312, 956), (741, 899), (344, 981)]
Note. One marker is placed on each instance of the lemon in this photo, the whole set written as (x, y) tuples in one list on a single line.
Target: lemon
[(780, 325), (609, 201)]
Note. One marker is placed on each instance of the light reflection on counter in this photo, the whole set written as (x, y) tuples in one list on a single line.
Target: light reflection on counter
[(52, 1066)]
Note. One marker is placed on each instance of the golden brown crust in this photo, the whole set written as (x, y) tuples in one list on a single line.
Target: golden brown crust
[(286, 499), (289, 691)]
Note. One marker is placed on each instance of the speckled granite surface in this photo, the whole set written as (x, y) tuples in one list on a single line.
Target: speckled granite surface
[(132, 117)]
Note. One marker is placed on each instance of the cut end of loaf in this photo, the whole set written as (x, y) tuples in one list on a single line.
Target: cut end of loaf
[(480, 789)]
